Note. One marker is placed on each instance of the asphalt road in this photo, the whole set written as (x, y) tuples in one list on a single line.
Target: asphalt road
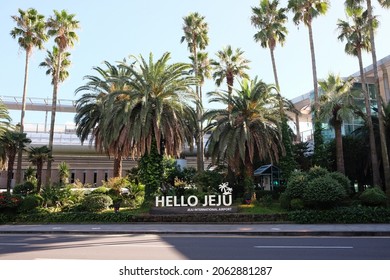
[(192, 247)]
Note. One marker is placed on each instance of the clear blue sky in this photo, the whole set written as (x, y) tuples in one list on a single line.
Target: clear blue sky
[(112, 30)]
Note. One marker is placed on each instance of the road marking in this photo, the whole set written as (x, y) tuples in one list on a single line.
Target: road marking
[(14, 244), (303, 247)]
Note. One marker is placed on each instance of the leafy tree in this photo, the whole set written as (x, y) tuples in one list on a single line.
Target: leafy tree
[(62, 27), (30, 32)]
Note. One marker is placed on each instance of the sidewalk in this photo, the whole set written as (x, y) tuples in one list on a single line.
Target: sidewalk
[(241, 229)]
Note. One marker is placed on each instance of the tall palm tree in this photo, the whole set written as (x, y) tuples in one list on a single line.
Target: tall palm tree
[(337, 106), (62, 27), (10, 143), (382, 131), (38, 156), (357, 36), (50, 63), (204, 68), (196, 35), (305, 11), (230, 64), (270, 21), (93, 111), (30, 32), (248, 129)]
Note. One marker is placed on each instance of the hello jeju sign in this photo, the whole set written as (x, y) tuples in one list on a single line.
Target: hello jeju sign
[(220, 203)]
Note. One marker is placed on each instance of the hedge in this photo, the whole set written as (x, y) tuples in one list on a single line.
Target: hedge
[(342, 215)]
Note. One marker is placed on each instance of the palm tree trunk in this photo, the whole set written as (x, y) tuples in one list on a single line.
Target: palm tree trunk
[(274, 68), (199, 114), (374, 156), (18, 175), (314, 67), (339, 147), (117, 172), (382, 133), (298, 128), (39, 176), (10, 170), (318, 141), (53, 115)]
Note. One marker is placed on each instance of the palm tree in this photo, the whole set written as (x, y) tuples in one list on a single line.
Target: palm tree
[(196, 35), (246, 130), (204, 68), (30, 32), (357, 37), (4, 118), (10, 143), (63, 172), (230, 64), (270, 20), (305, 11), (50, 63), (93, 112), (337, 106), (382, 131), (38, 156), (157, 113), (62, 27)]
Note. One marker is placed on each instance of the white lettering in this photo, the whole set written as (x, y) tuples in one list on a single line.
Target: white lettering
[(192, 201)]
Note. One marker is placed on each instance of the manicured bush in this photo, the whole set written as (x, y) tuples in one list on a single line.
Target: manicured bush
[(30, 202), (341, 215), (296, 184), (97, 202), (316, 172), (24, 189), (373, 197), (322, 193), (343, 180)]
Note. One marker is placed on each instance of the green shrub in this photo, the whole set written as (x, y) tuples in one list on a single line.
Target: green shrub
[(267, 201), (31, 202), (323, 192), (296, 184), (97, 202), (316, 172), (373, 197), (342, 215), (285, 201), (24, 189), (100, 190), (343, 180), (297, 204)]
